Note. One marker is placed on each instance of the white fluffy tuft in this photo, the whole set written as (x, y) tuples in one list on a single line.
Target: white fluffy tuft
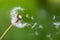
[(14, 18)]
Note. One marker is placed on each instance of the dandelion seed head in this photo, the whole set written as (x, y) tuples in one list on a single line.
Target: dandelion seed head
[(27, 15), (15, 18)]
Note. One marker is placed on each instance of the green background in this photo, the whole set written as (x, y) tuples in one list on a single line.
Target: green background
[(42, 11)]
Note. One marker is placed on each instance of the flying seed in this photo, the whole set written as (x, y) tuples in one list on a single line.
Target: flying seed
[(40, 26), (34, 25), (27, 15), (32, 17)]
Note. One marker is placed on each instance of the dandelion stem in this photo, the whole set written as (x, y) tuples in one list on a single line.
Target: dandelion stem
[(0, 39), (5, 32)]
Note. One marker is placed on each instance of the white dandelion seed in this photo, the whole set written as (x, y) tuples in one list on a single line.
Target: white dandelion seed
[(34, 25), (32, 17), (54, 17), (36, 33), (57, 24), (27, 15), (16, 18)]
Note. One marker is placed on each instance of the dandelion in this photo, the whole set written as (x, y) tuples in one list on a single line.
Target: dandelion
[(54, 17), (15, 20), (36, 33)]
